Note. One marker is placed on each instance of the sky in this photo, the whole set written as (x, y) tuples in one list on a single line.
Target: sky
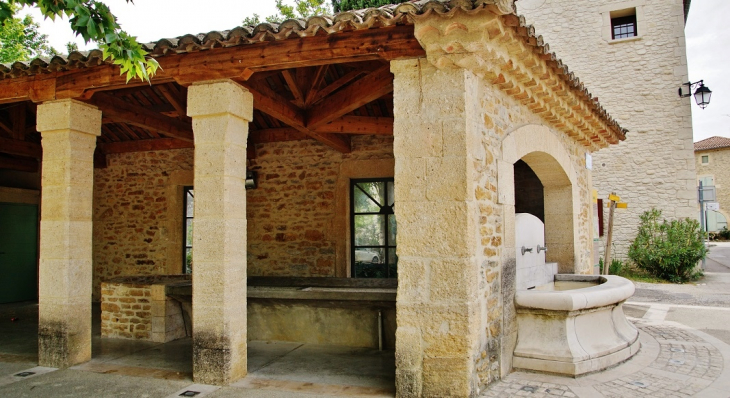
[(707, 36)]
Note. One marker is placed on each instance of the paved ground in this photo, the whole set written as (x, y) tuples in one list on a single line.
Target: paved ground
[(684, 331)]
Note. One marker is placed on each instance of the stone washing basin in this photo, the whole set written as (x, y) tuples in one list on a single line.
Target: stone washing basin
[(578, 331)]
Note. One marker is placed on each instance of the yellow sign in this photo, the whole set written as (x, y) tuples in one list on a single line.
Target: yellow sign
[(613, 197), (622, 205), (595, 196)]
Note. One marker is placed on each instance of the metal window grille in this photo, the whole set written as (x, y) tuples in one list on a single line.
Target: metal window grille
[(373, 229), (188, 212), (623, 27)]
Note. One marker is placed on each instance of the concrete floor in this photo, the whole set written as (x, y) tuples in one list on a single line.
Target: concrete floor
[(126, 368)]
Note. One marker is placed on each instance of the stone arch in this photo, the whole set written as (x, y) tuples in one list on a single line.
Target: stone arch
[(545, 154)]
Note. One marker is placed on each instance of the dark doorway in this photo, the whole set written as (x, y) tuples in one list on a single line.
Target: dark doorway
[(18, 252), (529, 192)]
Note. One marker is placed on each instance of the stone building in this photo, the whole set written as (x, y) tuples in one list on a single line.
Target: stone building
[(419, 111), (635, 73), (712, 161)]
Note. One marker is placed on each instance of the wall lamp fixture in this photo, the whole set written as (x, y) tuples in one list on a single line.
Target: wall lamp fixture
[(702, 94)]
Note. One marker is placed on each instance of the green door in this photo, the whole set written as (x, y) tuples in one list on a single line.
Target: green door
[(18, 252)]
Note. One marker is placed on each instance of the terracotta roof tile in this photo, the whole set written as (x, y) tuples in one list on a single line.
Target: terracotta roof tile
[(712, 143), (389, 15)]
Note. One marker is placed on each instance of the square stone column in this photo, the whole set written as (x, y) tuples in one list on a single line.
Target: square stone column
[(440, 307), (69, 129), (221, 111)]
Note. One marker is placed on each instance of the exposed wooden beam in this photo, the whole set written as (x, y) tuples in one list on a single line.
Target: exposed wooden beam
[(359, 125), (21, 148), (293, 87), (18, 119), (276, 135), (271, 103), (144, 145), (335, 85), (123, 111), (319, 76), (175, 99), (223, 63), (359, 93), (19, 164)]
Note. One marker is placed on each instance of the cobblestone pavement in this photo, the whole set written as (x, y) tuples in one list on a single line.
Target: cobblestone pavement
[(674, 361)]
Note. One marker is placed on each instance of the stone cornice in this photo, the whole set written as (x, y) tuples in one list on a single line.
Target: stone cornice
[(504, 51)]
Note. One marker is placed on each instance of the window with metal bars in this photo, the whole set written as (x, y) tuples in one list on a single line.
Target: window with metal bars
[(623, 27), (188, 211), (373, 229)]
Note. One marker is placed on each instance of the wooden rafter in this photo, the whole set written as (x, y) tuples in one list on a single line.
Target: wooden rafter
[(337, 84), (19, 164), (319, 77), (123, 111), (20, 148), (359, 125), (175, 99), (144, 145), (273, 104), (357, 94), (293, 87)]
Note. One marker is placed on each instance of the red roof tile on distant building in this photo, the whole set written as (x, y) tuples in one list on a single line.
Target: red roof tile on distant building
[(712, 143)]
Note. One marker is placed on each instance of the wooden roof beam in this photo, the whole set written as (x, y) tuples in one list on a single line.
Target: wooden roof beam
[(123, 111), (26, 164), (359, 125), (21, 148), (357, 94), (271, 103), (144, 145)]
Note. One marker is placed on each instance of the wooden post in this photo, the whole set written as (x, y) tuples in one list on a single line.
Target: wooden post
[(609, 234)]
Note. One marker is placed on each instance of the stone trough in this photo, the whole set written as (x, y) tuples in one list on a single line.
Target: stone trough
[(575, 331)]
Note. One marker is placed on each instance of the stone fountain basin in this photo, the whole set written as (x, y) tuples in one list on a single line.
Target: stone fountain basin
[(576, 331)]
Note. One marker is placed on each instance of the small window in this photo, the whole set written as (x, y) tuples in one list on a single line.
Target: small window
[(623, 24), (188, 208), (373, 229), (705, 159)]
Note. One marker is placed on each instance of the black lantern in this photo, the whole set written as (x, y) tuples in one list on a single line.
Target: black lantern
[(702, 94)]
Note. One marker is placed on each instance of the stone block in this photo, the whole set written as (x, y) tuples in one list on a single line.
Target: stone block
[(69, 115), (217, 97)]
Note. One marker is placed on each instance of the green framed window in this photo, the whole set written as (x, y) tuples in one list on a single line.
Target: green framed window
[(373, 229), (188, 212)]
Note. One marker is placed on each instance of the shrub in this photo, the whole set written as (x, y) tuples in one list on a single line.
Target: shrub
[(668, 249), (723, 234)]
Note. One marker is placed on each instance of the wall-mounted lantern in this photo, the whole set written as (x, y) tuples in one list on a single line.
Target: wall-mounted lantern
[(250, 180), (702, 94)]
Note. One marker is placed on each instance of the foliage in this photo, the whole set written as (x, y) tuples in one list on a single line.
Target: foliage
[(347, 5), (668, 249), (723, 234), (300, 9), (94, 22), (615, 268), (21, 41)]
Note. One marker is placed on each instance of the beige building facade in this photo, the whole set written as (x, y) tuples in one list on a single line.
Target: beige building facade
[(636, 77), (244, 161), (712, 160)]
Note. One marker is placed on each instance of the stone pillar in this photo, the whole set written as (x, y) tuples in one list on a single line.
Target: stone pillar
[(221, 111), (440, 316), (69, 130)]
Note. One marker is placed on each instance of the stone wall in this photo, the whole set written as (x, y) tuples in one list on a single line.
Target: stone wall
[(298, 221), (718, 167), (297, 224), (138, 214), (138, 308), (636, 81), (456, 281)]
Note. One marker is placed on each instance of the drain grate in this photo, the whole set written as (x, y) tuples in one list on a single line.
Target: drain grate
[(676, 362), (529, 388), (25, 374), (676, 349), (189, 393), (638, 383)]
